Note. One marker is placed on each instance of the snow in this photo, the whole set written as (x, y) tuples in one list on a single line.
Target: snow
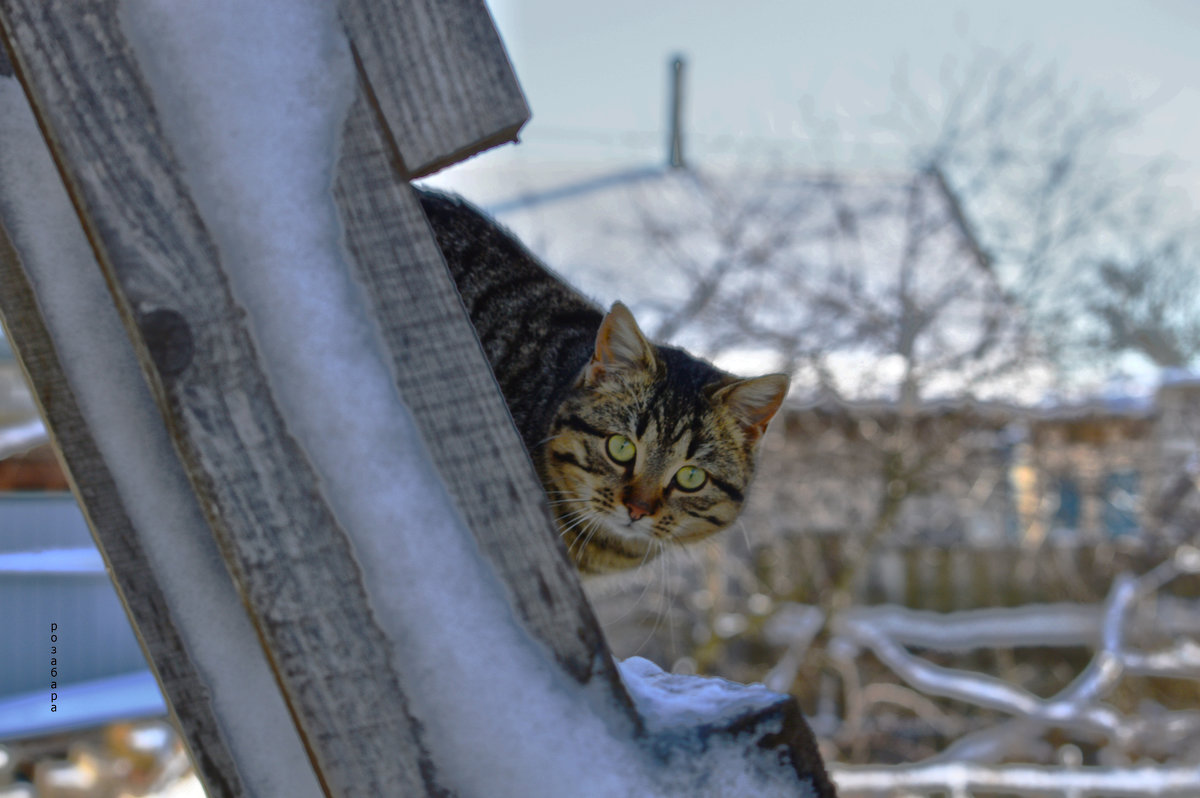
[(672, 701), (22, 437), (963, 778), (253, 98), (52, 561), (681, 710), (258, 144)]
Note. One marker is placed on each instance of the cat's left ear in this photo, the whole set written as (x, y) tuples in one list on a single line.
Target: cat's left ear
[(620, 347), (754, 402)]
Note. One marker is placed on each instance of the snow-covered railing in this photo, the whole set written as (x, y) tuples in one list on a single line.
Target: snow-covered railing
[(281, 426), (22, 437), (1136, 632)]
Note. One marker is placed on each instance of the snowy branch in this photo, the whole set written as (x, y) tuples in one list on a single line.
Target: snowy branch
[(22, 437), (1062, 624), (1078, 706), (1131, 636)]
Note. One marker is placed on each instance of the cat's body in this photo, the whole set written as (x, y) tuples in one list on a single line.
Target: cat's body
[(637, 445)]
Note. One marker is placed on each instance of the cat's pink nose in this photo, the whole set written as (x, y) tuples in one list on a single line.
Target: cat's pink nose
[(638, 509)]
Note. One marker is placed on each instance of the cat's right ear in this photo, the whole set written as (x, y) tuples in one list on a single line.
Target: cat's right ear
[(620, 347), (755, 401)]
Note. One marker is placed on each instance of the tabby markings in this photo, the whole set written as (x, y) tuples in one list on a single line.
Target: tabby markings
[(579, 425), (569, 459), (730, 490), (712, 519)]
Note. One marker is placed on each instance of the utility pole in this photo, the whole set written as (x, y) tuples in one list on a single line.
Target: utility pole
[(675, 144)]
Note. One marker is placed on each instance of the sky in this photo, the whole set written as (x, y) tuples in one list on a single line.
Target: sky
[(759, 71)]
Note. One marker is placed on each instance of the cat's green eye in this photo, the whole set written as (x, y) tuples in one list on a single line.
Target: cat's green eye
[(621, 449), (691, 478)]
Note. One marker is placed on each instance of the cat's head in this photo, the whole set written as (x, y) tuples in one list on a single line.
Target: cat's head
[(653, 447)]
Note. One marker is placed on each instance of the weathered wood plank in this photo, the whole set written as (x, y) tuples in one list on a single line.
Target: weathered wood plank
[(438, 72), (207, 657), (288, 556), (445, 380)]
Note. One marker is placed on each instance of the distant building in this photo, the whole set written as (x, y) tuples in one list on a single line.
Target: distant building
[(987, 474), (27, 461), (37, 469)]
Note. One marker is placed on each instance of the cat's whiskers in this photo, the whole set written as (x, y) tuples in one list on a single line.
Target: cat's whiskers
[(670, 599), (572, 520), (567, 501), (662, 597), (745, 535), (594, 527), (572, 493), (591, 522), (558, 497), (582, 500), (645, 586)]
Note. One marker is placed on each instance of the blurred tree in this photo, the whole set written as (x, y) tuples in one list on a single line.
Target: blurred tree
[(1089, 241), (860, 288), (1148, 304)]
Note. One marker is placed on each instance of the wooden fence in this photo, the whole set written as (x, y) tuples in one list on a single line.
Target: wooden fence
[(948, 579)]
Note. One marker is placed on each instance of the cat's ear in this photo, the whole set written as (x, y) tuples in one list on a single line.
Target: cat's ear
[(620, 347), (753, 402)]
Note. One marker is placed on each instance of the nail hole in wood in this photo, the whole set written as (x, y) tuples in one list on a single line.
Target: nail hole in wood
[(169, 340)]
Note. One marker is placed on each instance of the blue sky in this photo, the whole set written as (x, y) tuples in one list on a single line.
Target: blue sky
[(595, 73)]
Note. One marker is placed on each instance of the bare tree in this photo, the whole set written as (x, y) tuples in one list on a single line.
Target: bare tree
[(1149, 303), (1085, 239), (859, 288)]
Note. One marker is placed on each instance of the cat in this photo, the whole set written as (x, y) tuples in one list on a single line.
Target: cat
[(638, 445)]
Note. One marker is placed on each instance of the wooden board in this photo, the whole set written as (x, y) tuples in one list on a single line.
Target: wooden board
[(438, 74), (445, 380)]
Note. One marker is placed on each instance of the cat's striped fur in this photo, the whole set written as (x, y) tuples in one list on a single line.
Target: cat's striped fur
[(637, 445)]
